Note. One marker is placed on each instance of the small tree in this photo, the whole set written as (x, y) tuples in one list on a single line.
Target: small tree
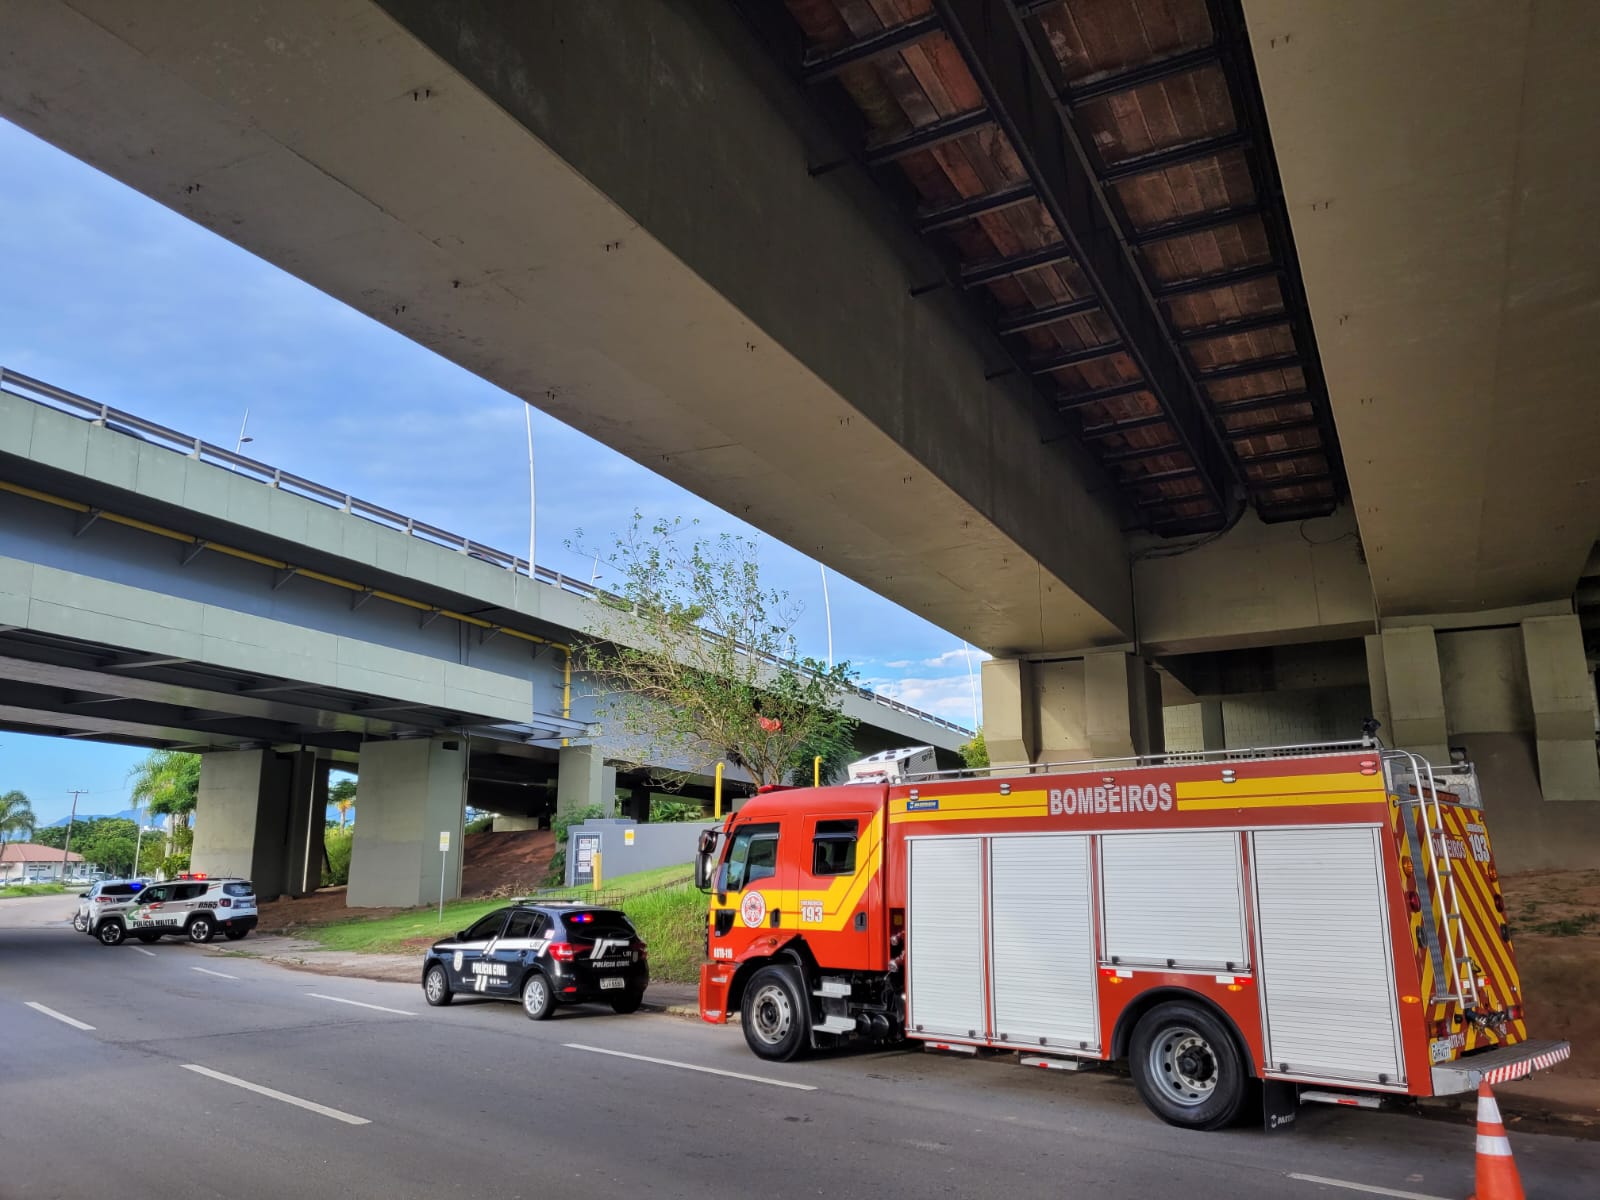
[(696, 658), (342, 796), (16, 817), (975, 751), (167, 783)]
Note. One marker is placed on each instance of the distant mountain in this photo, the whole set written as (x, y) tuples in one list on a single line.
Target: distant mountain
[(127, 814)]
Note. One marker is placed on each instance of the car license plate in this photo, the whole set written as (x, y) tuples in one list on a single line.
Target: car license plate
[(611, 983)]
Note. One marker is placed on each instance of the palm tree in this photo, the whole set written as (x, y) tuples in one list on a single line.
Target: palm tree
[(16, 816), (342, 796), (167, 783)]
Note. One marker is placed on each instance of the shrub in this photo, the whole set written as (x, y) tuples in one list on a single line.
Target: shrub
[(481, 824), (676, 810), (336, 870), (560, 825)]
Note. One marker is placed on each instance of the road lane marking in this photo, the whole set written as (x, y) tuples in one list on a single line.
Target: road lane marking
[(62, 1017), (218, 974), (1363, 1187), (683, 1066), (400, 1012), (308, 1105), (151, 953)]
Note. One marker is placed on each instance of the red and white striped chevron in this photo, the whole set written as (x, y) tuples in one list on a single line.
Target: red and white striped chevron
[(1528, 1066)]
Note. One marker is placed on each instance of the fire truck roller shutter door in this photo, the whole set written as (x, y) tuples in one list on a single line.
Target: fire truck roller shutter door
[(1327, 970), (1042, 930), (945, 918), (1174, 899)]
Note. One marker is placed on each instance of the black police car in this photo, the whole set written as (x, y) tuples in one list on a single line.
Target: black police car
[(542, 955)]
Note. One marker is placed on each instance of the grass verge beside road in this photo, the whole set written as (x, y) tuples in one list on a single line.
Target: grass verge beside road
[(670, 917), (15, 891)]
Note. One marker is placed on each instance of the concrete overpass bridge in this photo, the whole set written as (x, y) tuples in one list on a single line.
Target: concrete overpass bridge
[(159, 591), (1227, 354)]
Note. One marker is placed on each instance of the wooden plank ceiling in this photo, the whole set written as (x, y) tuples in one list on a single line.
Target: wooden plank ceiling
[(1159, 108)]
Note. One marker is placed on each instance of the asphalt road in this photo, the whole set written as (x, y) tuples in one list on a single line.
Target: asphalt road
[(373, 1094)]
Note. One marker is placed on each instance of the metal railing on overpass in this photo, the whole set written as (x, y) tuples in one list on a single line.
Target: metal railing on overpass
[(47, 395)]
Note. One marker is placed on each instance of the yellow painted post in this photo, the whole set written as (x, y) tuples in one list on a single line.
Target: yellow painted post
[(717, 795), (816, 771), (597, 870)]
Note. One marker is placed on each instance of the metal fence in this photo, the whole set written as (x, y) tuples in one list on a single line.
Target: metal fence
[(24, 387)]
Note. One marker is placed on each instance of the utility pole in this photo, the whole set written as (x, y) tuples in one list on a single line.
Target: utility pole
[(72, 817)]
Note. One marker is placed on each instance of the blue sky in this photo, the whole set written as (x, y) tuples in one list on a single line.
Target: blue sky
[(110, 295)]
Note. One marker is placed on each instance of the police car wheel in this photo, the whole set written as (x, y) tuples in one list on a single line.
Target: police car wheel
[(537, 999), (1188, 1067), (77, 922), (110, 933), (775, 1015), (201, 930), (626, 1003), (147, 938), (436, 986)]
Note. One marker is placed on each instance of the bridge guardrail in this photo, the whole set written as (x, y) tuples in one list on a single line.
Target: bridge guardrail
[(37, 391)]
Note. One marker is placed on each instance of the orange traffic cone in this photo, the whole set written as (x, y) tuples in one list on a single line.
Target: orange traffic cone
[(1497, 1177)]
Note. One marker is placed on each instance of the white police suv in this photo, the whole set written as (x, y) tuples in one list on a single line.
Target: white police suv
[(190, 906)]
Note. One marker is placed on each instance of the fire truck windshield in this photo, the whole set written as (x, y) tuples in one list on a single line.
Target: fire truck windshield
[(753, 856)]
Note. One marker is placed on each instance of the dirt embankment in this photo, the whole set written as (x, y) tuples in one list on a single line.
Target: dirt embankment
[(1555, 926), (495, 864)]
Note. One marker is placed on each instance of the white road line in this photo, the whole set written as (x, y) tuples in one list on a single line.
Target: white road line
[(399, 1012), (683, 1066), (308, 1105), (142, 950), (218, 974), (1363, 1187), (62, 1017)]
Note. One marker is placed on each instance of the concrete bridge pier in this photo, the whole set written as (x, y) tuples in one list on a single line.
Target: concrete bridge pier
[(583, 777), (1102, 704), (259, 815), (1517, 699), (412, 790)]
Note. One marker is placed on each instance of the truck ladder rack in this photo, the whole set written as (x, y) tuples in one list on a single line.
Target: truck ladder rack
[(1452, 927), (1177, 758)]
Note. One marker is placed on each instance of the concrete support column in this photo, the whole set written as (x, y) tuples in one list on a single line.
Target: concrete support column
[(1563, 708), (1122, 706), (1010, 713), (1408, 691), (583, 778), (255, 817), (1093, 706), (1213, 732), (411, 791)]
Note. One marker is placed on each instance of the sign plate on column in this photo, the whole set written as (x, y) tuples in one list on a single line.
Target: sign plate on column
[(444, 841)]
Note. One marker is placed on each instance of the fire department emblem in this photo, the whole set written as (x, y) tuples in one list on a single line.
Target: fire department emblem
[(754, 909)]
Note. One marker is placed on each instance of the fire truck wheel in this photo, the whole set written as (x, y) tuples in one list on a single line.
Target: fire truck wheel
[(775, 1016), (1188, 1067)]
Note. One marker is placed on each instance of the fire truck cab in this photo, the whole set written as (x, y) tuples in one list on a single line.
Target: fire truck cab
[(1324, 920)]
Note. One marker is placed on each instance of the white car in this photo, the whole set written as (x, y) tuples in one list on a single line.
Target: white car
[(101, 898)]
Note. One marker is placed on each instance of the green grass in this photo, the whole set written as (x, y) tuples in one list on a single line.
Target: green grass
[(1568, 926), (409, 931), (15, 891), (672, 922)]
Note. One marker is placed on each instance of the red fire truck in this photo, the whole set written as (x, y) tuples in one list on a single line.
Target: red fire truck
[(1326, 920)]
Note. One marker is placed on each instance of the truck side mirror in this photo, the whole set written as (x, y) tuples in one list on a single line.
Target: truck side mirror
[(702, 871)]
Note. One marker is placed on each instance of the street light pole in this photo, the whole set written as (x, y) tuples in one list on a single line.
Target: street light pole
[(827, 612), (527, 418), (138, 842)]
